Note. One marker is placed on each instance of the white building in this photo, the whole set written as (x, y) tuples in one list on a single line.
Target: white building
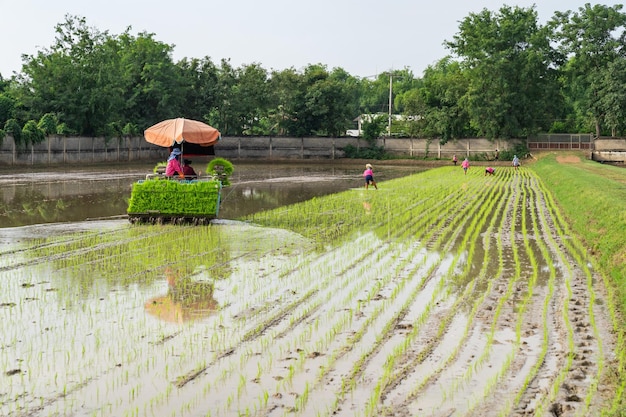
[(369, 117)]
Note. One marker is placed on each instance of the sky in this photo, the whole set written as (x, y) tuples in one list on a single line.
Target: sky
[(364, 37)]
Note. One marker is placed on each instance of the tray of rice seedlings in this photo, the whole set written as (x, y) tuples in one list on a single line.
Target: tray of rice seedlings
[(159, 199)]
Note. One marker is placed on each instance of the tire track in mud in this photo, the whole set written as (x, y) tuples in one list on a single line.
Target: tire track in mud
[(578, 382)]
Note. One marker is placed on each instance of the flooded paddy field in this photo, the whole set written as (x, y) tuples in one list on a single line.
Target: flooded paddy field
[(437, 295), (69, 194)]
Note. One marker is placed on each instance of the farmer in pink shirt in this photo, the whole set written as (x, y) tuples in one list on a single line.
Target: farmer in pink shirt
[(173, 164), (465, 165), (368, 174)]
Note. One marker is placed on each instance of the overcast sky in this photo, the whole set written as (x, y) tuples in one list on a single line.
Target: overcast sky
[(364, 37)]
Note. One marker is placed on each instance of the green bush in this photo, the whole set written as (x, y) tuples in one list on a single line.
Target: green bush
[(32, 134), (48, 124), (221, 169), (374, 152), (160, 166), (520, 149)]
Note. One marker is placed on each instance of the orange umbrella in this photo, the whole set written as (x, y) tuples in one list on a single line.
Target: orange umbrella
[(172, 131), (186, 299), (169, 309)]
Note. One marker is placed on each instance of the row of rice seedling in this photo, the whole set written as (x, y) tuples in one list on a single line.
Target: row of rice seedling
[(332, 331), (472, 286), (478, 360), (527, 304), (291, 368), (355, 367)]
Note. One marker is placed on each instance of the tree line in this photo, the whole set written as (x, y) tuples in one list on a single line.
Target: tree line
[(507, 76)]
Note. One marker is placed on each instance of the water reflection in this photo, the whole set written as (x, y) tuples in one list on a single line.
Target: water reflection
[(186, 298)]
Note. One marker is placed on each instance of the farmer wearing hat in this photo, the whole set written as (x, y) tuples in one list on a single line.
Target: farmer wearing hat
[(188, 169), (173, 164), (368, 174)]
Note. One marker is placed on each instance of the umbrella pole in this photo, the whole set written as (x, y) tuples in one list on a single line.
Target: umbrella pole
[(182, 158)]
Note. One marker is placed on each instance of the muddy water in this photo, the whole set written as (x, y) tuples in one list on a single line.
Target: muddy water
[(52, 195)]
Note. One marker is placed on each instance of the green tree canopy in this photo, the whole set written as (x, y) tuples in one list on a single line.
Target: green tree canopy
[(90, 80), (437, 103), (322, 105), (510, 68), (592, 38)]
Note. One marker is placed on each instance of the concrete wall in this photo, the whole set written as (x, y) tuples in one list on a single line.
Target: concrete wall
[(332, 148), (60, 150), (609, 150)]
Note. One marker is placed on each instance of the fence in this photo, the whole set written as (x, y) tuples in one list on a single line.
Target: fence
[(82, 150), (560, 141)]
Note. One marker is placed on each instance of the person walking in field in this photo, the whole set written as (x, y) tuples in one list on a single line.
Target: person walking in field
[(454, 159), (368, 174), (465, 164), (516, 162)]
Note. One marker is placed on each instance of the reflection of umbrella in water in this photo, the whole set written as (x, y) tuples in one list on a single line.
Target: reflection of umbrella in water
[(196, 137), (186, 301)]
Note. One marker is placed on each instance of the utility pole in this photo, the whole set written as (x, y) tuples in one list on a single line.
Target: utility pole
[(390, 102)]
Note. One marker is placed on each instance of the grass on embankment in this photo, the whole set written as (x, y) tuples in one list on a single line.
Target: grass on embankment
[(592, 196)]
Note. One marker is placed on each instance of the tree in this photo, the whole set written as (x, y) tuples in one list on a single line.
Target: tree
[(95, 82), (200, 83), (437, 103), (32, 134), (611, 87), (283, 88), (593, 37), (48, 124), (322, 105), (222, 116), (373, 128), (12, 127), (7, 107), (250, 99), (75, 79), (152, 85), (510, 66)]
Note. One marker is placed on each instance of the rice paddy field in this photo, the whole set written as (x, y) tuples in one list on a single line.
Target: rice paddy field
[(439, 294)]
